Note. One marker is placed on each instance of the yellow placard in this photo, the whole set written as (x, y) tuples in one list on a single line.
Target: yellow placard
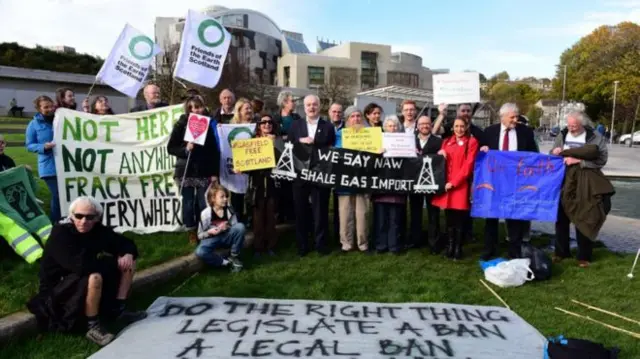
[(253, 154), (367, 139)]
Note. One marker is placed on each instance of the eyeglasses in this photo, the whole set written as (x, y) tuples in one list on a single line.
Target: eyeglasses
[(89, 217), (266, 123)]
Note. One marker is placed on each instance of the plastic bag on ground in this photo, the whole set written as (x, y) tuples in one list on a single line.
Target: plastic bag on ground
[(540, 261), (513, 273)]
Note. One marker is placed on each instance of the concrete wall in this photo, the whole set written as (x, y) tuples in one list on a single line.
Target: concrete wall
[(25, 91)]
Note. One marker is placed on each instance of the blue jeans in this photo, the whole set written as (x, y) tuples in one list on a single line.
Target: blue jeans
[(54, 211), (193, 203), (233, 238), (388, 223)]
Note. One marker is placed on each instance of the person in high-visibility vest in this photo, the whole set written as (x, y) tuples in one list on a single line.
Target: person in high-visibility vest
[(20, 214)]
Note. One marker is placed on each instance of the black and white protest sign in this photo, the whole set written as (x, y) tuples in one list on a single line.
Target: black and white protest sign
[(271, 328), (338, 167)]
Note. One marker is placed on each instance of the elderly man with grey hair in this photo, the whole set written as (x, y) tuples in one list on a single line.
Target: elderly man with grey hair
[(85, 274), (508, 135), (309, 134), (586, 193)]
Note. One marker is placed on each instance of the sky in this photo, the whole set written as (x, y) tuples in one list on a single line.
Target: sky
[(525, 38)]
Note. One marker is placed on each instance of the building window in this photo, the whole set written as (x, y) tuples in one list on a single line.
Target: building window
[(369, 68), (315, 75), (343, 75), (406, 79), (287, 76)]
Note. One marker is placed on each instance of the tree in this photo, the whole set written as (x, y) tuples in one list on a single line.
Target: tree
[(12, 54), (521, 94), (339, 88), (534, 115), (483, 78), (608, 54)]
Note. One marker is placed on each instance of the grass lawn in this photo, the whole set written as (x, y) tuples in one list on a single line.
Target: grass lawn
[(413, 277)]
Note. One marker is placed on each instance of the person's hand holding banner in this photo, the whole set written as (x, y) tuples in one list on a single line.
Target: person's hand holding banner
[(197, 128)]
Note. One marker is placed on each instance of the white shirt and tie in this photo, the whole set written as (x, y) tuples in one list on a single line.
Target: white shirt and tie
[(512, 141)]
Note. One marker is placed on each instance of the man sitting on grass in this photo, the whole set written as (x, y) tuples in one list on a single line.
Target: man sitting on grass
[(86, 272)]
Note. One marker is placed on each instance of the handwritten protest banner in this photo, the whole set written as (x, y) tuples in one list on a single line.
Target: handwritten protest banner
[(273, 328), (456, 88), (368, 139), (253, 154), (122, 161), (517, 185), (227, 133), (339, 167), (399, 144)]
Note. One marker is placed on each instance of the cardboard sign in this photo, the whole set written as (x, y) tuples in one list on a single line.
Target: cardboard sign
[(253, 154), (197, 129)]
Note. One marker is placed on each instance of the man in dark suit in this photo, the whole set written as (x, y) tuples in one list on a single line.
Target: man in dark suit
[(508, 135), (426, 144), (316, 132)]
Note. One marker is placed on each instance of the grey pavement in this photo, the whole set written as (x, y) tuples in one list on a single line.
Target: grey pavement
[(623, 161)]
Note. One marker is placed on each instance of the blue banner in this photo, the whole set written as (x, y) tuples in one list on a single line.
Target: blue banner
[(517, 185)]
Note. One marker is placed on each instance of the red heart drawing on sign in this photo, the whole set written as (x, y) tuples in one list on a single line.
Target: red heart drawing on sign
[(197, 125)]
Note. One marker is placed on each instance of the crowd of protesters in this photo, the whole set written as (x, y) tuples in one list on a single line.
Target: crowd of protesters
[(216, 218)]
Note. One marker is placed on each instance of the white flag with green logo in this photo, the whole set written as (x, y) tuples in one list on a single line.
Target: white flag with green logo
[(203, 50), (129, 62)]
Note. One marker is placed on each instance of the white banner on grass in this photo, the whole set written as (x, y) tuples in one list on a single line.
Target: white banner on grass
[(209, 328), (203, 50), (463, 87), (399, 144), (127, 66), (122, 161), (236, 183)]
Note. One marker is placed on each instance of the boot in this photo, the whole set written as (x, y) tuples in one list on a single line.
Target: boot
[(451, 244), (460, 237)]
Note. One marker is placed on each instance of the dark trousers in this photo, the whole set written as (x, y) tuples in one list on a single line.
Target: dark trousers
[(237, 202), (336, 217), (264, 223), (285, 202), (563, 248), (320, 214), (193, 203), (416, 204), (455, 220), (515, 229), (388, 222)]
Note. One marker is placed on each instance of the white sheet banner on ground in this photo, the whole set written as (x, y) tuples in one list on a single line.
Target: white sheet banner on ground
[(272, 328), (236, 183), (122, 161), (463, 87), (399, 144), (203, 50), (128, 63)]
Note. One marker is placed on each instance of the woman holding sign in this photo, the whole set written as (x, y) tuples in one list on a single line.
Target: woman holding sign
[(196, 165), (263, 195), (353, 207), (460, 152), (242, 114)]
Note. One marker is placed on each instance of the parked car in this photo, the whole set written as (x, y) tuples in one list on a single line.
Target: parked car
[(626, 139)]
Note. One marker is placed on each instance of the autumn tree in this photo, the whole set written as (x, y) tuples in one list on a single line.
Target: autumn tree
[(608, 54), (521, 94)]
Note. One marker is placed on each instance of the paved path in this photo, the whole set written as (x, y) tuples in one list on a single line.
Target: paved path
[(623, 161), (619, 234)]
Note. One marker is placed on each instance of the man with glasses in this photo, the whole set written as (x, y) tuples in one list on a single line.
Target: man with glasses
[(86, 273)]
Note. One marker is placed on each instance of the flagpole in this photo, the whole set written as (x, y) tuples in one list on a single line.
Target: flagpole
[(173, 86), (184, 175)]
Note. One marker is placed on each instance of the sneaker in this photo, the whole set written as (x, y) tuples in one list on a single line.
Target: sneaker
[(99, 335), (236, 265), (130, 317)]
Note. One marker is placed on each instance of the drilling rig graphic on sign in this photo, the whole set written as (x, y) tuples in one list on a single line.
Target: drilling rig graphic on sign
[(426, 182), (284, 168)]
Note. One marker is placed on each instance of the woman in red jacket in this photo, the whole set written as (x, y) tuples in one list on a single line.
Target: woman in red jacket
[(460, 152)]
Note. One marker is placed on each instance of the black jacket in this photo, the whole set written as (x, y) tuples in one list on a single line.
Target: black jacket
[(525, 135), (433, 145), (6, 162), (204, 161), (277, 118), (220, 118), (144, 107), (325, 133)]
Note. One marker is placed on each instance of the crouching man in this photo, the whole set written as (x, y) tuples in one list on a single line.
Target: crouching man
[(85, 275), (219, 228)]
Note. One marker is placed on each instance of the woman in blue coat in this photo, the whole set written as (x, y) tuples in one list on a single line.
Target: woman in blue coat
[(39, 139)]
